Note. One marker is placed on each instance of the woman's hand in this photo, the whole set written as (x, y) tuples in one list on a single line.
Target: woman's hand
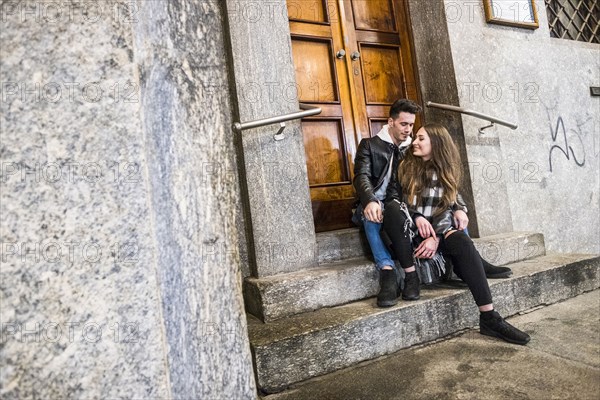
[(424, 227), (427, 248), (461, 220)]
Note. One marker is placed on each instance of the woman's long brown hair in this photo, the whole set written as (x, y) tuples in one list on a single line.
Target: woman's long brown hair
[(414, 174)]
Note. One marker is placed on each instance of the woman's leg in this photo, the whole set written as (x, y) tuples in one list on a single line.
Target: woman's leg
[(394, 221), (393, 224), (492, 271), (467, 265)]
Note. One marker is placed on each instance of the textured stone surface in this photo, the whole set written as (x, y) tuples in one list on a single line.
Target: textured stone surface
[(137, 302), (498, 249), (81, 314), (519, 75), (304, 346), (288, 294), (507, 248), (180, 48), (437, 81), (562, 361), (276, 180), (344, 281), (342, 244)]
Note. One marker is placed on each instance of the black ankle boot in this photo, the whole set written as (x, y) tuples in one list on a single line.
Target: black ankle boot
[(493, 272), (411, 286), (387, 296), (492, 324)]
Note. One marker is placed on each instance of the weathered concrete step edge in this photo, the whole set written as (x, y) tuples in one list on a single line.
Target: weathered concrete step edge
[(341, 244), (284, 295), (312, 344), (351, 243), (279, 296)]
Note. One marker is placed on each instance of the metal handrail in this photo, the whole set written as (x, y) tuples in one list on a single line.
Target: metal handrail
[(308, 111), (473, 114)]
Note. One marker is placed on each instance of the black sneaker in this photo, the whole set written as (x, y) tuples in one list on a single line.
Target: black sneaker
[(387, 296), (411, 289), (496, 326), (493, 272)]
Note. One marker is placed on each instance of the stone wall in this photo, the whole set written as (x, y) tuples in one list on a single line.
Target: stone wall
[(544, 176), (279, 217), (120, 269)]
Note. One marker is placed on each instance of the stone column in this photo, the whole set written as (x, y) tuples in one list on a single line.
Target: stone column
[(120, 272), (80, 302), (191, 158), (276, 180), (437, 79)]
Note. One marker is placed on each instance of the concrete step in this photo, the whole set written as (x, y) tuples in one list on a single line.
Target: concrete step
[(351, 243), (341, 282), (312, 344), (564, 345), (341, 245)]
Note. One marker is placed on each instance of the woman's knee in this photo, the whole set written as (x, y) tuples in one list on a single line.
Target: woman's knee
[(458, 236), (459, 241), (393, 214), (450, 232)]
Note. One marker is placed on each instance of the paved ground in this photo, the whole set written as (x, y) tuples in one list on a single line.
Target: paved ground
[(562, 361)]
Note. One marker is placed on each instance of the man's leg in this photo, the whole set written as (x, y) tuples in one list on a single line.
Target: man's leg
[(387, 296), (381, 254)]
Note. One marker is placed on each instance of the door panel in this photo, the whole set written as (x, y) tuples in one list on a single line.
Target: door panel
[(377, 123), (308, 10), (381, 73), (376, 15), (315, 72), (323, 140), (354, 90)]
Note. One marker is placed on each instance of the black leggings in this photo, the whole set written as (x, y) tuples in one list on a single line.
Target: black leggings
[(458, 247)]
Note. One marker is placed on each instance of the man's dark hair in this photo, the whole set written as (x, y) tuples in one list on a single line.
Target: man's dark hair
[(404, 105)]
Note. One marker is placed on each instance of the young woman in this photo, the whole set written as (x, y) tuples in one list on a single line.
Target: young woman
[(425, 189)]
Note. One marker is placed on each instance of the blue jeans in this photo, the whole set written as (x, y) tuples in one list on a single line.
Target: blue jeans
[(380, 252)]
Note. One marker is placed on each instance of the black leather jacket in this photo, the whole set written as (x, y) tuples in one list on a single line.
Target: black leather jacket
[(372, 161)]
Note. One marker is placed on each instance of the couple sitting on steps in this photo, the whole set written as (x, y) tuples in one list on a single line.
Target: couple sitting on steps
[(403, 182)]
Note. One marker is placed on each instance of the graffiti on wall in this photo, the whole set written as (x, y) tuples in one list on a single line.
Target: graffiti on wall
[(562, 140)]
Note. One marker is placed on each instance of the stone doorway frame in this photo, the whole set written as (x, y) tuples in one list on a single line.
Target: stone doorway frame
[(278, 225)]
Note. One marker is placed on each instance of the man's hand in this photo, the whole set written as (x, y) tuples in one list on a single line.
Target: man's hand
[(427, 248), (461, 220), (424, 227), (373, 212)]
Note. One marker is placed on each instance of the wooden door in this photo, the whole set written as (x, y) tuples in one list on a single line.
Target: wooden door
[(353, 59)]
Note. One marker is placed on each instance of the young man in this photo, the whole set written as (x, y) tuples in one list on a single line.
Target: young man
[(376, 159)]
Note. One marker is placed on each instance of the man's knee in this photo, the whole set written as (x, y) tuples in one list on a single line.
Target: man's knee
[(357, 217)]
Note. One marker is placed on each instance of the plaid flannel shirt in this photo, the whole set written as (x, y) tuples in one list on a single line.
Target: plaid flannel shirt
[(431, 197)]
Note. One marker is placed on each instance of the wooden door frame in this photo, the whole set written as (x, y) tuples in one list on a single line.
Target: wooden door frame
[(363, 112), (436, 79)]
